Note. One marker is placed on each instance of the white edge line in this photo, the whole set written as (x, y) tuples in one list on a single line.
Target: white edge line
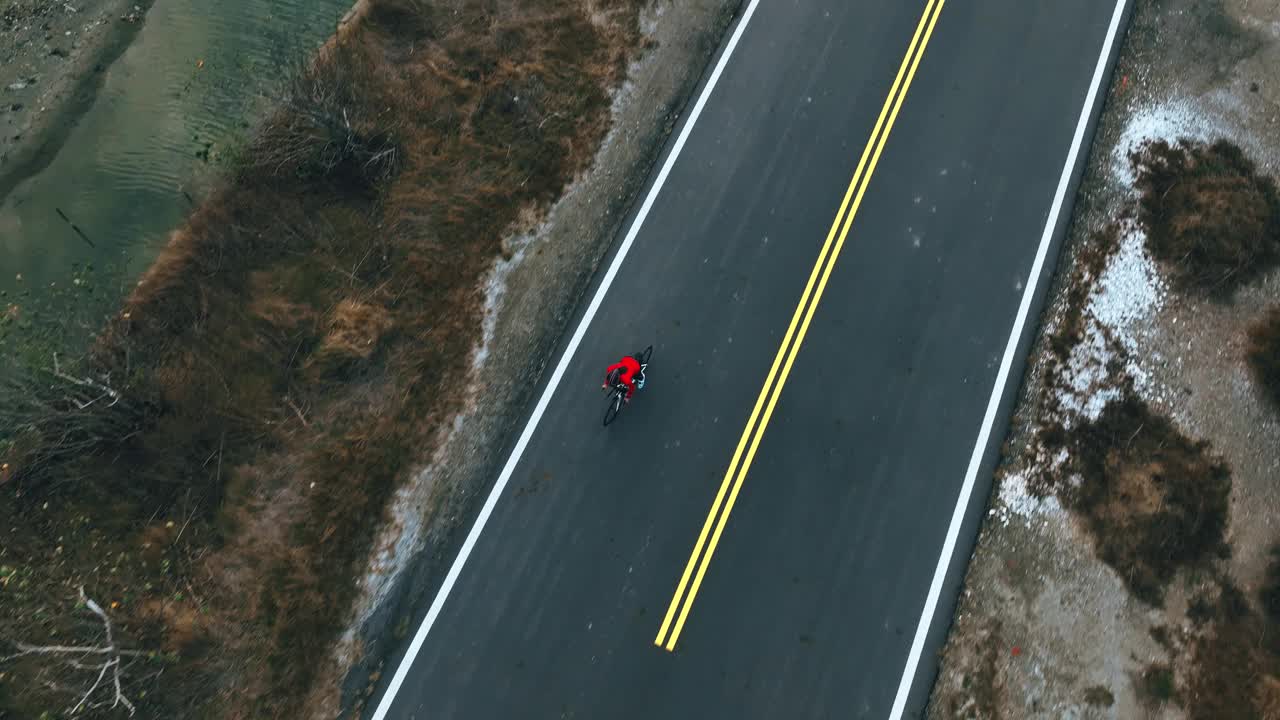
[(1002, 378), (388, 697)]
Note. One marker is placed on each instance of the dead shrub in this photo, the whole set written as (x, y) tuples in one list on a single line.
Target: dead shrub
[(58, 421), (1154, 501), (1209, 216), (1264, 354), (332, 127)]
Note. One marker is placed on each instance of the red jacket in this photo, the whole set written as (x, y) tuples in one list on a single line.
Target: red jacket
[(630, 368)]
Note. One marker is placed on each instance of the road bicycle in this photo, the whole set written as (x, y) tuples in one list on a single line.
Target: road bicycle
[(618, 389)]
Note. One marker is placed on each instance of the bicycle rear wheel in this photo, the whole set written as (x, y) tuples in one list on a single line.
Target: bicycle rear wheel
[(615, 407)]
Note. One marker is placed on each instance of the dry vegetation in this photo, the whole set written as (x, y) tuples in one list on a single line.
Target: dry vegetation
[(214, 471), (1154, 501), (1210, 217)]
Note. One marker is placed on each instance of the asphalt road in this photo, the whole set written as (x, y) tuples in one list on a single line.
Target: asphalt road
[(814, 594)]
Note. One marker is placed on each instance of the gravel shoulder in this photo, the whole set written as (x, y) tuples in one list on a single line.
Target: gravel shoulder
[(52, 57), (1124, 564)]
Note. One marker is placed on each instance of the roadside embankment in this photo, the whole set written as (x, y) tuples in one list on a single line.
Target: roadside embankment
[(211, 481)]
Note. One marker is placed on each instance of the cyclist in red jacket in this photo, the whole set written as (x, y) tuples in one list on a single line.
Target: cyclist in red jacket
[(627, 371)]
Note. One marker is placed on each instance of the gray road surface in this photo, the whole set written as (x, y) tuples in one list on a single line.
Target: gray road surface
[(811, 601)]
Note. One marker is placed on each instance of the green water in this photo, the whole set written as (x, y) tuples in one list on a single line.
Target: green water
[(178, 101)]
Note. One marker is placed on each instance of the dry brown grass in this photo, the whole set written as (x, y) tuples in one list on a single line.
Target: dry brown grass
[(300, 336)]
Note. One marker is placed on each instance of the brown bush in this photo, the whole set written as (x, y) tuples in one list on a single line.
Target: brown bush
[(331, 126), (1209, 216), (1154, 501), (56, 419), (1264, 354)]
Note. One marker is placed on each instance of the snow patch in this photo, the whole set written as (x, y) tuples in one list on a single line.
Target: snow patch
[(1169, 121), (1016, 501), (1125, 297), (1129, 293), (1088, 388), (1130, 289)]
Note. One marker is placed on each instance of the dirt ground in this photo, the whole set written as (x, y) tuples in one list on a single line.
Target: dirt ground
[(1125, 569), (52, 54)]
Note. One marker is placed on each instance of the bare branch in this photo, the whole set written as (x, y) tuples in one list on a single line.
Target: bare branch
[(97, 610), (112, 664), (95, 685), (25, 649), (86, 382), (120, 698)]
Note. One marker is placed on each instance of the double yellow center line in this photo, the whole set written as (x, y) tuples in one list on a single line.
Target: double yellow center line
[(751, 435)]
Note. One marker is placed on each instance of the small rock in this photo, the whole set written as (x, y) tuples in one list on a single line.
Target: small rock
[(15, 86), (16, 107), (58, 52), (1253, 87)]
